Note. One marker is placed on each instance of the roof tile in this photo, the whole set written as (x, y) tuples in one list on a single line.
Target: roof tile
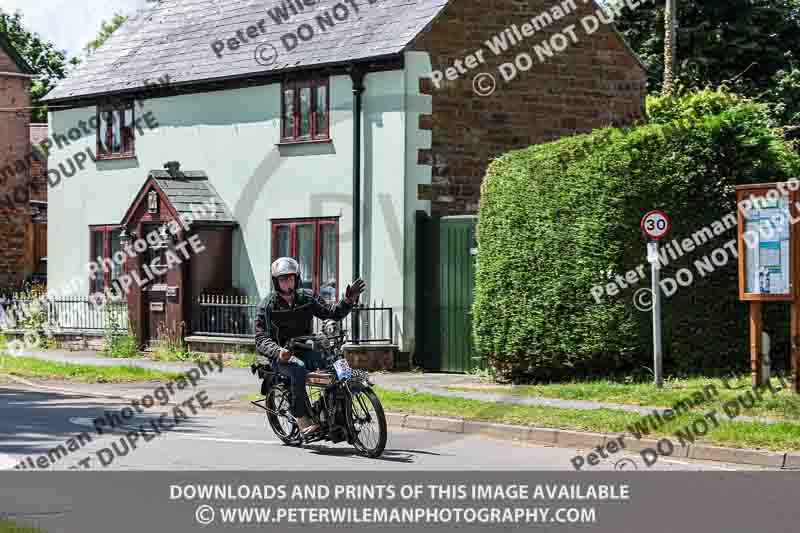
[(174, 37)]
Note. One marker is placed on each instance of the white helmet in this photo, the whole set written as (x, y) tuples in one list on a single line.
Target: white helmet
[(283, 266)]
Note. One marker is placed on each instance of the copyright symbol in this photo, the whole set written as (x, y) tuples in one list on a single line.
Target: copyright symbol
[(204, 515), (643, 300), (484, 84), (626, 464), (266, 54)]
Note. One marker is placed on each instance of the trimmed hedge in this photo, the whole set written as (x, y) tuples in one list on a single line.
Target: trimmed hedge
[(560, 218)]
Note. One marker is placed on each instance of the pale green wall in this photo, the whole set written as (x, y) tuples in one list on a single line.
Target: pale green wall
[(231, 135), (418, 65)]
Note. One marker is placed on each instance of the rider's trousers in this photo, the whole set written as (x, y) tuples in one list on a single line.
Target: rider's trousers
[(297, 376)]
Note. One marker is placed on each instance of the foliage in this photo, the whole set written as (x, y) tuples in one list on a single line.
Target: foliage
[(169, 345), (694, 104), (560, 218), (50, 63), (243, 358), (106, 30), (781, 404), (775, 436), (9, 526), (38, 368), (751, 45), (124, 346), (785, 96), (116, 344), (33, 312)]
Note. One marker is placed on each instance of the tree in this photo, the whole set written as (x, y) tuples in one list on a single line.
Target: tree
[(670, 46), (41, 55), (749, 45), (106, 30)]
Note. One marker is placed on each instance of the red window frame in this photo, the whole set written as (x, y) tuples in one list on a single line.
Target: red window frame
[(296, 86), (128, 140), (107, 230), (292, 224)]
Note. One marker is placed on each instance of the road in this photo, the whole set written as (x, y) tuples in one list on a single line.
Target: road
[(33, 422)]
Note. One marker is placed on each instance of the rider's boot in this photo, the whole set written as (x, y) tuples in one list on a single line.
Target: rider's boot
[(307, 427)]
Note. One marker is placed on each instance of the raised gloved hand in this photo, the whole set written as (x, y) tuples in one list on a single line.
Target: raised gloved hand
[(285, 355), (353, 292)]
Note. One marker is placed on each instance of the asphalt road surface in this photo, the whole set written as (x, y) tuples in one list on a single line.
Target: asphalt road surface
[(32, 423)]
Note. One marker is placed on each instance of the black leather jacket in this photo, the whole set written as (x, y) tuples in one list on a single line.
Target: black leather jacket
[(277, 322)]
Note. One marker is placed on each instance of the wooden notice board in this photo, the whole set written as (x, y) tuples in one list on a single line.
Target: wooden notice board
[(769, 261)]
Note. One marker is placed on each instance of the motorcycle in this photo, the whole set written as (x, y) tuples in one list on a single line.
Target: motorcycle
[(340, 399)]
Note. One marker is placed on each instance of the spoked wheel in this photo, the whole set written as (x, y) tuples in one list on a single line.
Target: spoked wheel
[(278, 401), (367, 423)]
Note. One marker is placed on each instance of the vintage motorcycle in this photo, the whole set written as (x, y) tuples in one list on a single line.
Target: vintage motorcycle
[(340, 399)]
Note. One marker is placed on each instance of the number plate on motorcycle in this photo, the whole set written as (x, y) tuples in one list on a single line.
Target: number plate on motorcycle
[(343, 369)]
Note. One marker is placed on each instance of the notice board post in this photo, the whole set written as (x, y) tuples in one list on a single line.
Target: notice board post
[(769, 262)]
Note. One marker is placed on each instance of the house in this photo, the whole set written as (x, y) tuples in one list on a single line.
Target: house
[(334, 133), (15, 80), (36, 228)]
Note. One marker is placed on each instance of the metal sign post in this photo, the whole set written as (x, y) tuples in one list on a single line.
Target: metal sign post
[(655, 269), (656, 225)]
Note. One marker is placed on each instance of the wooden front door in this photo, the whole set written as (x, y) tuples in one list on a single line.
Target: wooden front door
[(154, 293)]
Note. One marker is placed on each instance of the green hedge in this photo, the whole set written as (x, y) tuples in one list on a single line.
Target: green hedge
[(559, 218)]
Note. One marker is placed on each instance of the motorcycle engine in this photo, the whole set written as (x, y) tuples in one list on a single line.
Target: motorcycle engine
[(319, 409)]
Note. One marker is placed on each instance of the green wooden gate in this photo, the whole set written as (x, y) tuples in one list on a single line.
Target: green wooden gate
[(447, 261)]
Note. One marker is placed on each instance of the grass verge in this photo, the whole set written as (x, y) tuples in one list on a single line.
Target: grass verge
[(783, 405), (780, 436), (29, 367), (8, 526)]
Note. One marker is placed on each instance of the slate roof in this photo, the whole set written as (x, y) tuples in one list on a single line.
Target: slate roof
[(174, 37), (193, 189)]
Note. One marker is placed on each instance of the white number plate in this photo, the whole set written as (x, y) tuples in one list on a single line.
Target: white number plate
[(343, 369)]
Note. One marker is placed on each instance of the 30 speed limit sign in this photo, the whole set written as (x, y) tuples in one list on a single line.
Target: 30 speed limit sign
[(655, 224)]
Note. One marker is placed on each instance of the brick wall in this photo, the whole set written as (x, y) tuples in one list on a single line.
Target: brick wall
[(594, 82), (14, 144), (38, 133)]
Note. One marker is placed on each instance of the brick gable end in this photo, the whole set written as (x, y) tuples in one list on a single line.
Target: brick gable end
[(593, 83), (14, 145)]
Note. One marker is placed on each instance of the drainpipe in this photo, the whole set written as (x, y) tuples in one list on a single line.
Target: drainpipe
[(357, 75)]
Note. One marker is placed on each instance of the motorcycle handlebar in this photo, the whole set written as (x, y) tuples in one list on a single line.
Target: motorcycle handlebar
[(298, 346)]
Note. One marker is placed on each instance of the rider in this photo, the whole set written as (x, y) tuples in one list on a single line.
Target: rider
[(288, 312)]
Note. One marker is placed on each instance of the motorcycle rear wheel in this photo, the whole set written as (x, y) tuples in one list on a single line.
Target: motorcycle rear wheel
[(366, 422), (278, 401)]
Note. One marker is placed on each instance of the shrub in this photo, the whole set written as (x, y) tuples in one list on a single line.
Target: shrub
[(560, 218), (698, 104), (116, 344), (123, 346), (169, 345)]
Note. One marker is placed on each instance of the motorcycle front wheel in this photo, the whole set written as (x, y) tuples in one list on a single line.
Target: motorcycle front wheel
[(367, 423)]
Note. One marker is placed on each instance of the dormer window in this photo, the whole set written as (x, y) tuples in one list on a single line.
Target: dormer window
[(305, 111), (115, 136)]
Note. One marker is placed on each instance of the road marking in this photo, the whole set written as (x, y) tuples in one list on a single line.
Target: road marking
[(703, 464), (82, 421), (243, 441)]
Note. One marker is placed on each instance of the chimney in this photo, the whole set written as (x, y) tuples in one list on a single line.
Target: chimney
[(174, 169)]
